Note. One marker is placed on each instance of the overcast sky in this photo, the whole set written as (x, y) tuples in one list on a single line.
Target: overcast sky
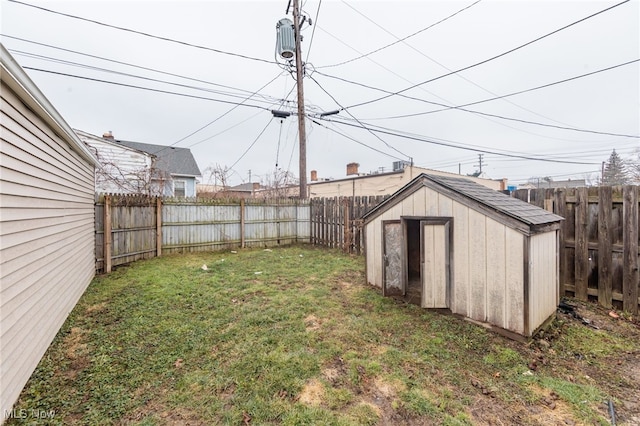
[(219, 57)]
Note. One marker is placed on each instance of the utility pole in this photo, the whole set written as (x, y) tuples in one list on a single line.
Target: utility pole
[(480, 161), (301, 127)]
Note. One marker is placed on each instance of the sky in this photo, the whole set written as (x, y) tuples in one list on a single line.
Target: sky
[(205, 75)]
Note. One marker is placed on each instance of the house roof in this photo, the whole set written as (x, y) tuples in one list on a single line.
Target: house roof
[(174, 160), (482, 197), (17, 79)]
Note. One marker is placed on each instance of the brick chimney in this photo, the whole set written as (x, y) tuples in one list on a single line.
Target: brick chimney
[(108, 135), (352, 169), (314, 175)]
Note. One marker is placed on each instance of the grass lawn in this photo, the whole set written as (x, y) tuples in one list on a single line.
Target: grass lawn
[(294, 336)]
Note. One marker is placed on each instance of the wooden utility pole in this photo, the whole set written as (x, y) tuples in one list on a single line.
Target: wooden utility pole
[(301, 128)]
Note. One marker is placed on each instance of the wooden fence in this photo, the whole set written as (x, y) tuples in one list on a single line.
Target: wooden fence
[(599, 255), (599, 239), (130, 228), (336, 222)]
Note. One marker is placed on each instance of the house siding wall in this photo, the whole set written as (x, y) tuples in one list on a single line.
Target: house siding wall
[(487, 282), (384, 183), (124, 170), (46, 238)]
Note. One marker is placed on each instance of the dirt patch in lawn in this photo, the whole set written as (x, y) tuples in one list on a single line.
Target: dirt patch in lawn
[(312, 393)]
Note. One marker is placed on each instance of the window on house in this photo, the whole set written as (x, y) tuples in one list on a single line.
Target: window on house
[(179, 188)]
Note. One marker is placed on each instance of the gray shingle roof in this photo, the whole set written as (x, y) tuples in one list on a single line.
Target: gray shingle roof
[(495, 201), (176, 161), (517, 209)]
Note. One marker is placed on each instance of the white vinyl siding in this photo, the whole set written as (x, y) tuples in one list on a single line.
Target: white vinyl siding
[(46, 236)]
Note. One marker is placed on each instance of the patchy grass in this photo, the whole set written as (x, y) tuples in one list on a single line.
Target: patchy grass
[(294, 336)]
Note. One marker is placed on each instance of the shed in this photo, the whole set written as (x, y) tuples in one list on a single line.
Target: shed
[(47, 231), (449, 243)]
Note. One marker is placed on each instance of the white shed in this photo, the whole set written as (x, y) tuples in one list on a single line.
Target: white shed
[(449, 243), (47, 231)]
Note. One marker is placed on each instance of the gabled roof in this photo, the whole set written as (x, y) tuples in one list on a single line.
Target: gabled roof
[(175, 161), (474, 195)]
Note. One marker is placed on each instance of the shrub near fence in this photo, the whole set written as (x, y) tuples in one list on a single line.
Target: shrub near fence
[(131, 228), (599, 255)]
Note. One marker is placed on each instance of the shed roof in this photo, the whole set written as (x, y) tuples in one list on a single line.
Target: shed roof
[(465, 189), (176, 161)]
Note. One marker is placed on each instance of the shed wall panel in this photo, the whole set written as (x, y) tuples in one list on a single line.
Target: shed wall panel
[(514, 262), (48, 262), (543, 293), (460, 280), (477, 244), (496, 274)]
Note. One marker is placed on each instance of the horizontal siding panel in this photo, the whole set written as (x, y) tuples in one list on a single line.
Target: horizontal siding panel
[(32, 165), (32, 333), (67, 162), (16, 279), (48, 231), (36, 286), (12, 214), (13, 201), (35, 191), (15, 174), (34, 133)]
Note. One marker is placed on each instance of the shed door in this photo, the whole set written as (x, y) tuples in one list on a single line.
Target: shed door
[(392, 266), (435, 265)]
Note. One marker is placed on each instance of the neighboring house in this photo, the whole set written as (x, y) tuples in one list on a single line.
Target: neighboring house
[(122, 170), (382, 183), (47, 234), (175, 163), (173, 171)]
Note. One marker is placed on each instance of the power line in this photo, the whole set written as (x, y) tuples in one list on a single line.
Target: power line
[(110, 60), (94, 68), (227, 112), (252, 143), (145, 88), (352, 139), (449, 69), (352, 116), (400, 40), (462, 107), (489, 59), (184, 43), (451, 145), (313, 32)]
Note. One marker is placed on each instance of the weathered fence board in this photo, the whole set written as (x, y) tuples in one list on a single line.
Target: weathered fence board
[(132, 228), (599, 255), (336, 223)]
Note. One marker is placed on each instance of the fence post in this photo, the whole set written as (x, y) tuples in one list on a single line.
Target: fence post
[(158, 226), (582, 244), (347, 226), (242, 242), (630, 274), (107, 234), (605, 282)]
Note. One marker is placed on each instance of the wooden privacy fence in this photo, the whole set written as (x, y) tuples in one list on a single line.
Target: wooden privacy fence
[(130, 228), (336, 222), (599, 255)]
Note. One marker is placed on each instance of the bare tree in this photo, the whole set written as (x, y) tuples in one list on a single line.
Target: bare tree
[(280, 184), (634, 167)]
